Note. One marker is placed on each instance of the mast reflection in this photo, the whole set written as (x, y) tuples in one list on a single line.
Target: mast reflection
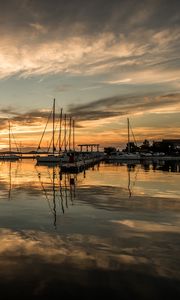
[(12, 175), (131, 184), (58, 188)]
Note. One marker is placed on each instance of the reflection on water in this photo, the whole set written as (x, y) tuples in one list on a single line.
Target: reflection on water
[(113, 230), (60, 188)]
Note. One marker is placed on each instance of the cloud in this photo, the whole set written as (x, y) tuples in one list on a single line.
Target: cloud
[(63, 87), (99, 120), (120, 81), (31, 118), (93, 16), (120, 47), (91, 87), (39, 29), (101, 109), (124, 105), (97, 37)]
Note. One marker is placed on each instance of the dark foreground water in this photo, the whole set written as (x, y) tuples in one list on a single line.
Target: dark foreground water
[(113, 231)]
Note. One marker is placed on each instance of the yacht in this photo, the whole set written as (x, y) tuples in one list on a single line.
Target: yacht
[(119, 155)]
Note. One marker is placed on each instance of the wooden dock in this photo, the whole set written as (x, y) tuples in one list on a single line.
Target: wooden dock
[(79, 165)]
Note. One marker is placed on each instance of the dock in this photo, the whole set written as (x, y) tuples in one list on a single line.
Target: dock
[(80, 165)]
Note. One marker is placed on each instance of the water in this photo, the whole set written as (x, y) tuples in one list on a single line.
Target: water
[(113, 230)]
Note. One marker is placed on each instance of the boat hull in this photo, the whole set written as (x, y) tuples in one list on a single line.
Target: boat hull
[(9, 157), (48, 159)]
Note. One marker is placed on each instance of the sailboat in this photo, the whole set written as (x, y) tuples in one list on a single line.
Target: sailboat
[(129, 154), (10, 156), (118, 155), (50, 158)]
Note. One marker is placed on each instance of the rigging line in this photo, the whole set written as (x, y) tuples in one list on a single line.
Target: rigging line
[(15, 142), (57, 142), (49, 145), (133, 136), (44, 190), (59, 139), (63, 140), (39, 146), (52, 140), (66, 133)]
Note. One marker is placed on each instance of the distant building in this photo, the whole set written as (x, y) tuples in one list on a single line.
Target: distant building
[(166, 146), (174, 143)]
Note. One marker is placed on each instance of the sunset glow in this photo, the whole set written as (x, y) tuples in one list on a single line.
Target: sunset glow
[(102, 64)]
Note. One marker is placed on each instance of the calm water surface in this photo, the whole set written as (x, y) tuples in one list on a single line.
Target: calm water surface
[(113, 230)]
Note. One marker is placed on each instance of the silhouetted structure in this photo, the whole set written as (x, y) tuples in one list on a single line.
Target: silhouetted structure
[(87, 146)]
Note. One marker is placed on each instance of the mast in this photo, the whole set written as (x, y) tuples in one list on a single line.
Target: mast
[(53, 124), (128, 136), (70, 134), (9, 137), (65, 133), (60, 130), (73, 135)]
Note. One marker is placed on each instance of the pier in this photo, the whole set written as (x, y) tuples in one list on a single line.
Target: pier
[(82, 160)]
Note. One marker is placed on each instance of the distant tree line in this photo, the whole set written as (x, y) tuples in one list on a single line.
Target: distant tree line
[(165, 146)]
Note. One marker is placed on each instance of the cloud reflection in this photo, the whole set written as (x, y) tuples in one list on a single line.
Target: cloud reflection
[(82, 251), (149, 226)]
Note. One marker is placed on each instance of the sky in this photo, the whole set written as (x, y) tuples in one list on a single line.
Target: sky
[(103, 61)]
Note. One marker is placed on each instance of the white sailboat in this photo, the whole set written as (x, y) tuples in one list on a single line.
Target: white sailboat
[(50, 158), (118, 155)]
